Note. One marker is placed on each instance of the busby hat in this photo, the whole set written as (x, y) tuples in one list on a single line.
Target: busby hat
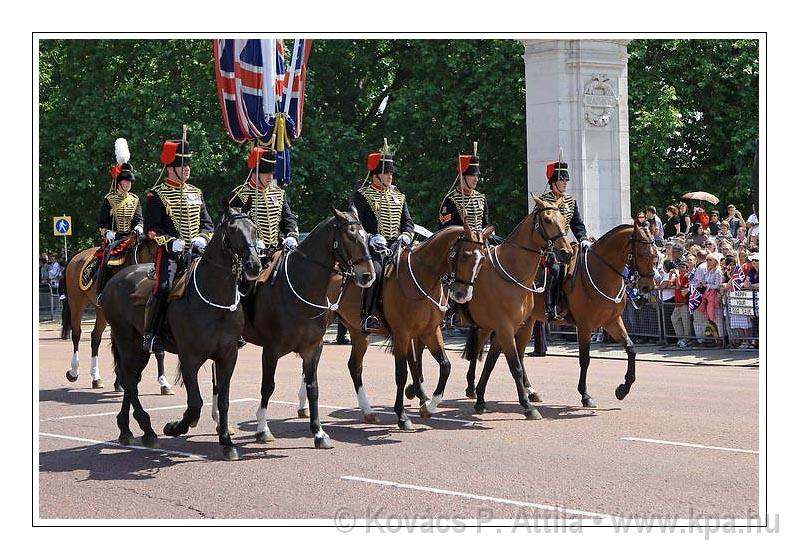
[(382, 161), (122, 170), (175, 153), (263, 158), (557, 170), (468, 165)]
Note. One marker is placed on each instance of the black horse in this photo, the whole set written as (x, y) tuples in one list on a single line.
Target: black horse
[(292, 311), (204, 324)]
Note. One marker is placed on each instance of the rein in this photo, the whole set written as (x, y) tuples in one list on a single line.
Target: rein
[(620, 294)]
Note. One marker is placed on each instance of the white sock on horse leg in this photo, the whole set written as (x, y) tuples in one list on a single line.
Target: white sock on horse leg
[(302, 396), (76, 362), (433, 403), (94, 369), (363, 401), (261, 421), (214, 409), (164, 383)]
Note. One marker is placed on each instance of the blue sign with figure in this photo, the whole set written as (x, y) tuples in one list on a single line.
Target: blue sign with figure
[(62, 225)]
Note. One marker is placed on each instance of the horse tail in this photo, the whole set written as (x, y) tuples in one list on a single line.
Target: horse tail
[(471, 349), (66, 318), (117, 359)]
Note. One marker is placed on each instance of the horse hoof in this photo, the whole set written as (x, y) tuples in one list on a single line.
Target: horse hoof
[(70, 378), (125, 439), (470, 393), (532, 414), (589, 403), (405, 425), (171, 429), (323, 442), (423, 411), (150, 441), (193, 423), (167, 390), (230, 453), (534, 397), (264, 437), (410, 392), (371, 418), (480, 408), (302, 413), (97, 384), (621, 392)]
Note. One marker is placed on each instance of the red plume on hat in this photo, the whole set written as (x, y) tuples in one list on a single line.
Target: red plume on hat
[(168, 151), (463, 163), (255, 156)]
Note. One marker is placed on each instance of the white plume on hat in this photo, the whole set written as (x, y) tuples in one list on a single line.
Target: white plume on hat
[(121, 150)]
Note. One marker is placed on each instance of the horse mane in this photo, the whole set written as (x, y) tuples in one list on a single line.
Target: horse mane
[(437, 234), (614, 231)]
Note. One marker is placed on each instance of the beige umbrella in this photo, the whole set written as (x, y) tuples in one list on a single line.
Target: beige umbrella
[(701, 195)]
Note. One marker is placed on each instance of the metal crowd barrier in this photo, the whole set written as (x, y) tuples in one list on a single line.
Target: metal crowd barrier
[(49, 302)]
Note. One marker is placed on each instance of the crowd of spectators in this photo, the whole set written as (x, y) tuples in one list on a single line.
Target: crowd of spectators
[(51, 270), (702, 258)]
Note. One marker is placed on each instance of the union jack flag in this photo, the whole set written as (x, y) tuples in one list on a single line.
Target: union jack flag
[(737, 278), (295, 84), (695, 299)]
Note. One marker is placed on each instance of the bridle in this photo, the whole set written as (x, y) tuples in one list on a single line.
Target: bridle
[(451, 277), (632, 278)]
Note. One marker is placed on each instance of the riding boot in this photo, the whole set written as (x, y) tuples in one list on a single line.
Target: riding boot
[(153, 312), (370, 322), (100, 282), (539, 339), (549, 301), (341, 334)]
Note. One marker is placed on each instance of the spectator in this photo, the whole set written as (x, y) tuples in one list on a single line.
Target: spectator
[(734, 219), (710, 245), (656, 227), (640, 219), (697, 283), (44, 273), (711, 305), (751, 278), (698, 235), (672, 223), (683, 218), (681, 321), (699, 215), (713, 224), (740, 324), (724, 230), (54, 271), (752, 230)]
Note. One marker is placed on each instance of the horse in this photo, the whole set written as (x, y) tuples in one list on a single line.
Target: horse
[(594, 300), (143, 251), (205, 323), (414, 304), (287, 319), (503, 295)]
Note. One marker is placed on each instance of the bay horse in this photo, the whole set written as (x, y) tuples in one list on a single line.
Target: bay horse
[(414, 303), (504, 290), (143, 251), (596, 298), (292, 313), (204, 324)]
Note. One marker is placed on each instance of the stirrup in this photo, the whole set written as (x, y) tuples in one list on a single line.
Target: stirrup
[(151, 343), (371, 324), (241, 343)]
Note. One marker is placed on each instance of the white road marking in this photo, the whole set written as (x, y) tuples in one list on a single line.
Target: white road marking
[(682, 444), (117, 411), (117, 444), (556, 509)]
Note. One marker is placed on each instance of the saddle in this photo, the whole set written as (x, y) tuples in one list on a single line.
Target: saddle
[(267, 271), (145, 286), (117, 254)]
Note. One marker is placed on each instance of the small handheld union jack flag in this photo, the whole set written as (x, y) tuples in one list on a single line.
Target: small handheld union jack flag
[(695, 299), (737, 278)]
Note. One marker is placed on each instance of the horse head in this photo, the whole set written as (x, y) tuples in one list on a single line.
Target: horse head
[(350, 248), (240, 238), (465, 257), (642, 254), (550, 227)]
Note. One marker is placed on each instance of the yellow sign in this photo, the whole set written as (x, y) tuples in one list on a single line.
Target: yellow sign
[(62, 225)]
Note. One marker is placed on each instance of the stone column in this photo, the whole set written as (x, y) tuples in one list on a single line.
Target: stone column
[(577, 99)]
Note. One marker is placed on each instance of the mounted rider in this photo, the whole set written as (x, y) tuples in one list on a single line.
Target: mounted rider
[(383, 212), (120, 215), (463, 204), (270, 210), (175, 217), (557, 181)]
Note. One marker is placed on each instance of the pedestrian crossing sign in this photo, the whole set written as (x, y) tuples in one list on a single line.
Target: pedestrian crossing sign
[(62, 225)]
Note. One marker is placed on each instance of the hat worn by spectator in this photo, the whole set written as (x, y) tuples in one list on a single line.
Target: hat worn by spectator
[(716, 256), (754, 257)]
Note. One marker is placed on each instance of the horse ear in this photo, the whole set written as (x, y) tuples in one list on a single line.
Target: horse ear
[(487, 232), (538, 201)]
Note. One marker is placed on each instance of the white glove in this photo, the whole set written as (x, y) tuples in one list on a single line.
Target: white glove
[(178, 245), (139, 230), (199, 242), (261, 247), (404, 239), (111, 235), (585, 244), (289, 243), (377, 242)]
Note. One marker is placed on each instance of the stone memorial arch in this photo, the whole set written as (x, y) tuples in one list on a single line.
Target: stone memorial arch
[(577, 99)]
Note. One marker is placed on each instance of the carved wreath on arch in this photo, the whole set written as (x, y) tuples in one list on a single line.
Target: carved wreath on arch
[(599, 99)]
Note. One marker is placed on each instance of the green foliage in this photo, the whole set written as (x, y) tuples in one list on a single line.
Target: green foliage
[(693, 117)]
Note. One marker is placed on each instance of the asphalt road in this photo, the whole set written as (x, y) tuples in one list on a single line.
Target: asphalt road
[(684, 443)]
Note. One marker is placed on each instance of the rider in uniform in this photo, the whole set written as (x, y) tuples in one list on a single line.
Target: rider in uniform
[(557, 180), (463, 204), (383, 212), (175, 217), (120, 213)]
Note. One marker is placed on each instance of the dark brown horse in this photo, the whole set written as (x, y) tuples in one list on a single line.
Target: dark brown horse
[(292, 312), (414, 304), (596, 297), (504, 290), (143, 251), (204, 324)]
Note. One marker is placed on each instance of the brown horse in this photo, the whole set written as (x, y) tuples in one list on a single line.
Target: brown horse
[(596, 297), (143, 251), (504, 289), (414, 304)]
